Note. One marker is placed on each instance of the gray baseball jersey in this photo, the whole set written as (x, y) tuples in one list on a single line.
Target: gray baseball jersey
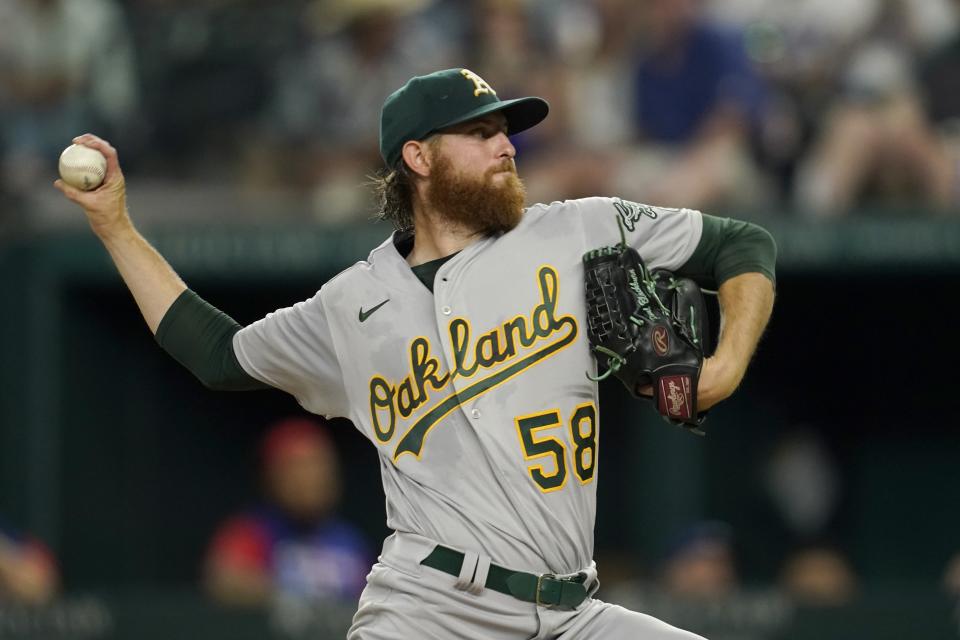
[(475, 395)]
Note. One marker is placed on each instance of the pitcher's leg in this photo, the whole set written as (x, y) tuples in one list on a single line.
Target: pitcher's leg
[(599, 620)]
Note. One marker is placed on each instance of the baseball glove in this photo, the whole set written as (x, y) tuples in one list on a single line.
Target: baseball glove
[(647, 329)]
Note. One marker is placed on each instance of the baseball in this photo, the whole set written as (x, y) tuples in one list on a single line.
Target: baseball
[(82, 167)]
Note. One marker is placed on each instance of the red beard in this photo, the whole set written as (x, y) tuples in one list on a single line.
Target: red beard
[(477, 204)]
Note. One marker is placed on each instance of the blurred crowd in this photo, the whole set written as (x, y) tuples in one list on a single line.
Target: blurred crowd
[(290, 558), (806, 108), (290, 543), (811, 108), (290, 549)]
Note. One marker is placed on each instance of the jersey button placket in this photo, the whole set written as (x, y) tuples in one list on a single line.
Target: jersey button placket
[(446, 310)]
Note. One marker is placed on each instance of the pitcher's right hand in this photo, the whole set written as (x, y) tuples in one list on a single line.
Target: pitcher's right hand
[(105, 206)]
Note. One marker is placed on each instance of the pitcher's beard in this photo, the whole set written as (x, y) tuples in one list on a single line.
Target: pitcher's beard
[(478, 204)]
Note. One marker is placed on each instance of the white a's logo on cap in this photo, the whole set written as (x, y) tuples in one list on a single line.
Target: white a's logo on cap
[(479, 84)]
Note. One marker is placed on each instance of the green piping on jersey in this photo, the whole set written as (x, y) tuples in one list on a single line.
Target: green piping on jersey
[(728, 248), (200, 337)]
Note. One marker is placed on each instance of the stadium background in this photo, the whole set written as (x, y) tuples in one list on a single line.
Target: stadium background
[(247, 182)]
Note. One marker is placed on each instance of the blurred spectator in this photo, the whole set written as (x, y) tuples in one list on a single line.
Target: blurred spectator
[(876, 146), (323, 125), (813, 51), (205, 68), (596, 41), (696, 102), (503, 45), (699, 586), (941, 84), (800, 477), (292, 545), (66, 67), (951, 576), (590, 123), (818, 575), (798, 47), (699, 563), (28, 571), (506, 45), (691, 104)]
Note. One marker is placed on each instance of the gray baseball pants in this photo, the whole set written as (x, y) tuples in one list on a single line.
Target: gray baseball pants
[(405, 600)]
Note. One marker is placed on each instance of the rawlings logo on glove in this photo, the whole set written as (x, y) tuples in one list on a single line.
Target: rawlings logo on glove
[(647, 329)]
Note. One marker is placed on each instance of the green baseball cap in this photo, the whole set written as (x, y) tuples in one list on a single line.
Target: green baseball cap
[(426, 104)]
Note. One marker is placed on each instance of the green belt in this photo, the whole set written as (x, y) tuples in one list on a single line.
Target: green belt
[(547, 590)]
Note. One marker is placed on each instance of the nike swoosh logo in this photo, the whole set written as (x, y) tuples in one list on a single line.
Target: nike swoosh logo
[(369, 312)]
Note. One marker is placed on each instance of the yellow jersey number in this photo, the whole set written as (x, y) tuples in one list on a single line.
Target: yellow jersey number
[(549, 453)]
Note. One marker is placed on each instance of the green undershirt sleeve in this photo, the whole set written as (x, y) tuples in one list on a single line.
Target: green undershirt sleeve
[(200, 337), (728, 248)]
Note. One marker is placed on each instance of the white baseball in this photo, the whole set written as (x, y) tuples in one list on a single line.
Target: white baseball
[(82, 167)]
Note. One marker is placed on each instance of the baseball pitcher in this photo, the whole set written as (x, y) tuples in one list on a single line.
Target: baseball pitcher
[(464, 349)]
